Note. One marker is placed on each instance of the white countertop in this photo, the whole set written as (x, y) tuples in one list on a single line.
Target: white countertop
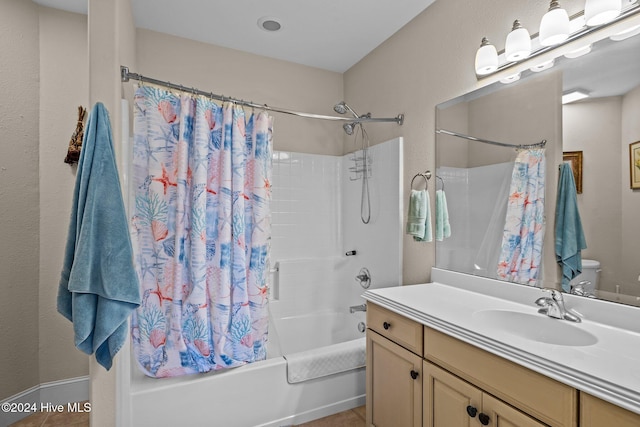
[(608, 369)]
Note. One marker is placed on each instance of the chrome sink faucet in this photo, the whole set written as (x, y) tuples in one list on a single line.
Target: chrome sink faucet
[(553, 306), (579, 289)]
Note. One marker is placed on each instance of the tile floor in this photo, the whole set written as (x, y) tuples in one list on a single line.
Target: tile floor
[(55, 419), (351, 418)]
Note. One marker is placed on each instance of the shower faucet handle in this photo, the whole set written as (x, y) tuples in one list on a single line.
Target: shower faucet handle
[(356, 308)]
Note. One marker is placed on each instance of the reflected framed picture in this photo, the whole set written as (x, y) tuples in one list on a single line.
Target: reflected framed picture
[(574, 158), (634, 164)]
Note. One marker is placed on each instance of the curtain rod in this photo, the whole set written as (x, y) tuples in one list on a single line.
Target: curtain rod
[(126, 75), (486, 141)]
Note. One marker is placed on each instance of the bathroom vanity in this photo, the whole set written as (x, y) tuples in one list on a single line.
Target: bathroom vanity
[(460, 355)]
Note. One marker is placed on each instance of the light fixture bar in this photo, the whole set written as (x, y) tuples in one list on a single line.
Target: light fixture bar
[(575, 36)]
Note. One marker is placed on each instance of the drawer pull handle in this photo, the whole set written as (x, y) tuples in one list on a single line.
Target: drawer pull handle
[(472, 411), (484, 419), (386, 325), (414, 374)]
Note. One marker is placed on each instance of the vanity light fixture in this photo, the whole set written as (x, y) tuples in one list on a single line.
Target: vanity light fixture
[(518, 44), (554, 27), (623, 35), (598, 12), (574, 95), (486, 58), (542, 66), (558, 29), (578, 52)]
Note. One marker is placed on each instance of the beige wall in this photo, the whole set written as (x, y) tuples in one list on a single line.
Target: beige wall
[(630, 273), (19, 209), (521, 113), (603, 129), (594, 127), (450, 150), (63, 87), (252, 78), (44, 79), (427, 62)]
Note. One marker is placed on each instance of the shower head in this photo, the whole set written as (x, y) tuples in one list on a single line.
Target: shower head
[(341, 108), (349, 127)]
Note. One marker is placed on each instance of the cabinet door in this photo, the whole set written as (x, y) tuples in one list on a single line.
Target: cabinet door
[(502, 415), (394, 384), (448, 400)]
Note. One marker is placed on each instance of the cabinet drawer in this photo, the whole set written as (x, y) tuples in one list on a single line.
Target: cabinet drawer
[(549, 401), (395, 327)]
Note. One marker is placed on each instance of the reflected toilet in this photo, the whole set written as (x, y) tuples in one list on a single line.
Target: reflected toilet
[(590, 273)]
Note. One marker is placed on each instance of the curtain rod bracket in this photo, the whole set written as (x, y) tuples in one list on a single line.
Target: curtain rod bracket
[(124, 74)]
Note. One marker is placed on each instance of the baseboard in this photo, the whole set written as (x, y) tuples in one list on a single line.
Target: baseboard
[(317, 413), (55, 392)]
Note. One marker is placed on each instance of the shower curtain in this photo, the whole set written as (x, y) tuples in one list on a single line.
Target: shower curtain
[(521, 252), (201, 232)]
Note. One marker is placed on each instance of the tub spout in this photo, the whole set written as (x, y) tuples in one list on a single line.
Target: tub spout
[(354, 308)]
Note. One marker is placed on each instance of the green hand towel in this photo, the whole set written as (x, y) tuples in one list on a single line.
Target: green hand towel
[(443, 228), (419, 216)]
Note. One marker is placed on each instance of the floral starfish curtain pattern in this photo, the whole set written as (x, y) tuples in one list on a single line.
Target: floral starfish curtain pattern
[(521, 252), (201, 233)]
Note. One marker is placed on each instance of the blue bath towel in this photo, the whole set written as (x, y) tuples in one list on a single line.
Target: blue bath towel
[(570, 240), (419, 216), (98, 287)]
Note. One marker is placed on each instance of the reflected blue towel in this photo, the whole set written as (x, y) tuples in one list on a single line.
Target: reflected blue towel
[(419, 216), (570, 239), (98, 288)]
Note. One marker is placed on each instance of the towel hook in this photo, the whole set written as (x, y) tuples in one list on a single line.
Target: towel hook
[(441, 181), (426, 175)]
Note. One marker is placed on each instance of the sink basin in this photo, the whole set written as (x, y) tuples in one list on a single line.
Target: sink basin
[(536, 327)]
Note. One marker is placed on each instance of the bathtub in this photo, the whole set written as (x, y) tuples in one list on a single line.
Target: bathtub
[(257, 394)]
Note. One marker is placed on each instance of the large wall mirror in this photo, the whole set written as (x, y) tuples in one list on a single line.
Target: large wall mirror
[(593, 134)]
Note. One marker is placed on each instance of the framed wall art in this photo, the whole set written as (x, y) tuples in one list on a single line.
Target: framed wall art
[(634, 165), (574, 158)]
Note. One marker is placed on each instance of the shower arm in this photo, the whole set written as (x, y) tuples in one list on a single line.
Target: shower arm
[(126, 75)]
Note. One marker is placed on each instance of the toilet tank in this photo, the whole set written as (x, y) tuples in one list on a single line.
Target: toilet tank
[(590, 272)]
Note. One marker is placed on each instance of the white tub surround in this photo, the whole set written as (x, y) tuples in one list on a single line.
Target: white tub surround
[(607, 365), (316, 220)]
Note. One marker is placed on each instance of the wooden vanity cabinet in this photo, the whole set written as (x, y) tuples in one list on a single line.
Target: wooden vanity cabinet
[(417, 376), (596, 412), (505, 385), (452, 402), (394, 370)]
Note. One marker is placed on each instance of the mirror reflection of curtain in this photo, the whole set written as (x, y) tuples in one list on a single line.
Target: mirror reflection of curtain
[(486, 261), (521, 254), (201, 232)]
